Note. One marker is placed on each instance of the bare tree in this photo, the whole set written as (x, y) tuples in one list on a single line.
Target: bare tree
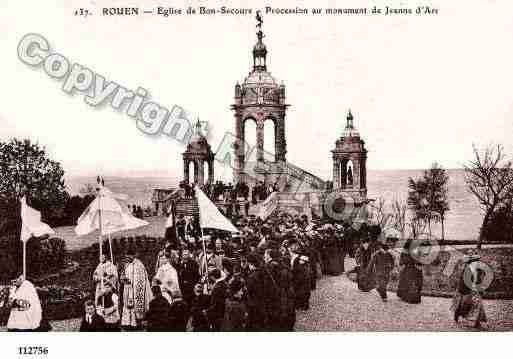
[(379, 214), (489, 176), (417, 226), (399, 210)]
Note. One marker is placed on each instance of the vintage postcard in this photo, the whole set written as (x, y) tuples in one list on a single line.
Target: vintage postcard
[(238, 166)]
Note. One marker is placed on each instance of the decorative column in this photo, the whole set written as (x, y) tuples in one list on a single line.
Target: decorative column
[(343, 173), (211, 171), (363, 173), (260, 140), (239, 145), (280, 141), (201, 172), (196, 170), (336, 173), (186, 170), (356, 173)]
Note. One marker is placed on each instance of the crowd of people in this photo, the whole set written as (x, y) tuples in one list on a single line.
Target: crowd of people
[(253, 281), (227, 192), (140, 212)]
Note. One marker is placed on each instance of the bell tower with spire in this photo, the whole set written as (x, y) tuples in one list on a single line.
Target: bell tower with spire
[(259, 98)]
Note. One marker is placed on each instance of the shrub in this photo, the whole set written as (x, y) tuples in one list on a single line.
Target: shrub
[(44, 255), (500, 226)]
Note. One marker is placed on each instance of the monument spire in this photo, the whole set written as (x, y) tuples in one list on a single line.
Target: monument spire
[(259, 50), (198, 127), (349, 123)]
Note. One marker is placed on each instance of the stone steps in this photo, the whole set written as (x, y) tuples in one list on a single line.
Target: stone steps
[(187, 207)]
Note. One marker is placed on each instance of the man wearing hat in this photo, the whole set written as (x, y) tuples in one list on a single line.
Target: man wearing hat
[(211, 260), (188, 274), (255, 295), (273, 289), (300, 275), (216, 309)]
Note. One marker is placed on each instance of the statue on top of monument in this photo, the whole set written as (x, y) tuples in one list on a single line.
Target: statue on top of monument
[(259, 19), (350, 176)]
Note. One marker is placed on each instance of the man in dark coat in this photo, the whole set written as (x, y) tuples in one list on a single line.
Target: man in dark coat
[(273, 289), (215, 311), (255, 295), (178, 313), (158, 313), (381, 265), (91, 321), (288, 296), (200, 302), (188, 275), (180, 227), (300, 276)]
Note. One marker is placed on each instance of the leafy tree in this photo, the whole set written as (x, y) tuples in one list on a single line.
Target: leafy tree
[(427, 196), (436, 180), (489, 177), (26, 170), (418, 204)]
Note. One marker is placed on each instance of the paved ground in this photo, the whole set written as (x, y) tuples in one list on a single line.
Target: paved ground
[(337, 305)]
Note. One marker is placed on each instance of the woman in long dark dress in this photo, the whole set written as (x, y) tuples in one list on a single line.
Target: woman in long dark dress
[(410, 279), (364, 277), (333, 266)]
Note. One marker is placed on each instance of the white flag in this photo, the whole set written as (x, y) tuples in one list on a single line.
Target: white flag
[(170, 220), (31, 224), (114, 216), (209, 215)]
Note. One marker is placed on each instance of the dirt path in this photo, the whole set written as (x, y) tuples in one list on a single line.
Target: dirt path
[(337, 305)]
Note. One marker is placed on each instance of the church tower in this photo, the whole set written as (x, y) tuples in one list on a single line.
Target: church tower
[(258, 99), (349, 162)]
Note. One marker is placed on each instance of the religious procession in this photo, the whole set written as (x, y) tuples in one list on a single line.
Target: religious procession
[(218, 274)]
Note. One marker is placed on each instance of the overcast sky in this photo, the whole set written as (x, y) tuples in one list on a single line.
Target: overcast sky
[(421, 88)]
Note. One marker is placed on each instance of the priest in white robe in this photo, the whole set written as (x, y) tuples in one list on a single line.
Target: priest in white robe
[(167, 279), (105, 272), (26, 312), (136, 293)]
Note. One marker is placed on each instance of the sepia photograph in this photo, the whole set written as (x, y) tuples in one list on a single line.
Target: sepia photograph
[(252, 167)]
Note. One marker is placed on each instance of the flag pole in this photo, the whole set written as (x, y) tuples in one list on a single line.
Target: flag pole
[(100, 239), (173, 212), (24, 260), (203, 243), (110, 247)]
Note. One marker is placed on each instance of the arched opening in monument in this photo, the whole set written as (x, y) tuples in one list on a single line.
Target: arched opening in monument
[(269, 140), (349, 173), (250, 137)]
